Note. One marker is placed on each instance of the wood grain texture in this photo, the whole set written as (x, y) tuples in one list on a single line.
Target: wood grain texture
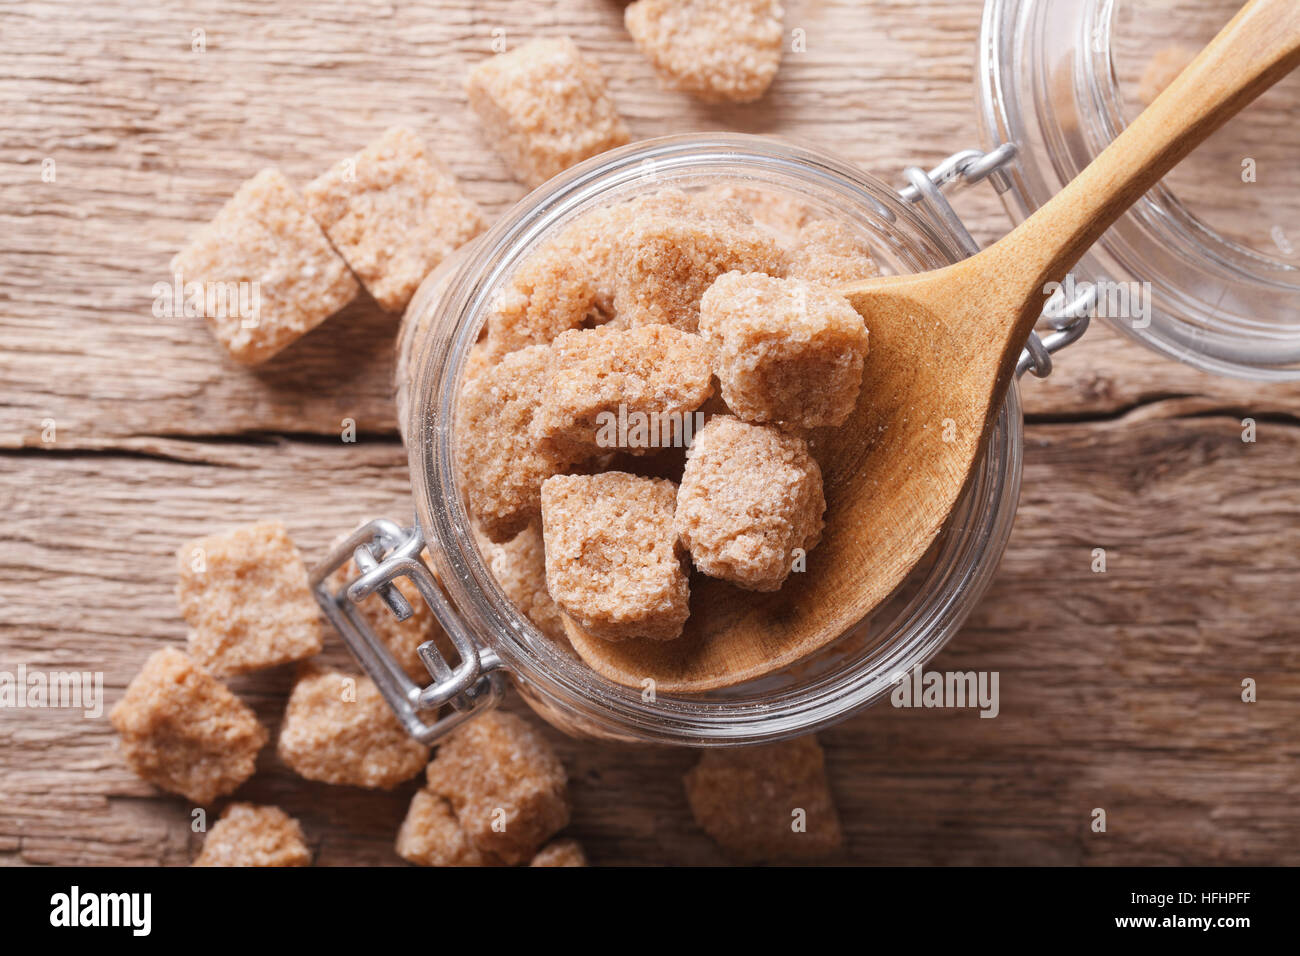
[(1119, 690)]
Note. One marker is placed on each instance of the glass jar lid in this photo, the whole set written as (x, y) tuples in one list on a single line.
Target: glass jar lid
[(1206, 267)]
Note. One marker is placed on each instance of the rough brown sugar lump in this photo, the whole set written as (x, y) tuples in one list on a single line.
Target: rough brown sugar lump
[(338, 729), (245, 595), (519, 566), (767, 803), (750, 501), (625, 389), (787, 351), (184, 732), (394, 213), (716, 50), (265, 237), (613, 562), (500, 461), (830, 253), (560, 853), (544, 107), (251, 835), (668, 260), (552, 291), (431, 835), (505, 784)]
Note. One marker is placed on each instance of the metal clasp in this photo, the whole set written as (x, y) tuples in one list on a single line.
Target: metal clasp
[(385, 551), (1067, 320)]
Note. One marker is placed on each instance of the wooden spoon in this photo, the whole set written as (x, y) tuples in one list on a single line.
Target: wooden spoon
[(944, 347)]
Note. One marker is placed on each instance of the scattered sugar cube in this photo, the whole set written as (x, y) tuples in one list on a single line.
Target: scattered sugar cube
[(830, 253), (627, 389), (519, 566), (251, 835), (393, 212), (788, 350), (264, 236), (560, 853), (545, 107), (432, 836), (666, 262), (750, 500), (506, 785), (338, 729), (770, 802), (245, 595), (501, 463), (183, 731), (717, 50), (613, 562)]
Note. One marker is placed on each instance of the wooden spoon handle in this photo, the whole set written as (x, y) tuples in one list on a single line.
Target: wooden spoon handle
[(1259, 46)]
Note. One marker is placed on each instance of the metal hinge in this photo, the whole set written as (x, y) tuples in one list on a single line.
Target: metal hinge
[(1067, 320), (385, 551)]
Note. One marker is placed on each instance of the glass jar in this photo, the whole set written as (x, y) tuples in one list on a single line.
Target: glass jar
[(443, 323), (1216, 245)]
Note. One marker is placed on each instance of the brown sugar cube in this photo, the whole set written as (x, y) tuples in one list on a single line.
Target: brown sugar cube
[(251, 835), (666, 262), (500, 462), (788, 350), (265, 237), (552, 291), (1163, 69), (432, 836), (783, 214), (627, 389), (766, 803), (545, 107), (506, 785), (830, 253), (613, 562), (183, 731), (245, 594), (338, 729), (560, 853), (519, 566), (393, 212), (716, 50), (750, 501)]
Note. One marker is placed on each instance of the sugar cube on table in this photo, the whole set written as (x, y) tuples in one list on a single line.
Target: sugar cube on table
[(251, 835), (245, 595), (183, 731), (338, 729), (265, 246), (560, 853), (718, 51), (766, 803), (505, 784), (787, 350), (394, 213), (431, 835), (613, 562), (545, 107), (750, 501)]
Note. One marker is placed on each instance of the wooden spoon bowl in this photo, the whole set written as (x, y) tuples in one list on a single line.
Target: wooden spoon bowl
[(943, 352)]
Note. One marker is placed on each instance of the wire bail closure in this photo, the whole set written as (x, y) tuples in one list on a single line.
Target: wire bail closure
[(1067, 320), (384, 551)]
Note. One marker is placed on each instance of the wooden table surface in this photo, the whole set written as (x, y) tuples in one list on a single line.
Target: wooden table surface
[(1119, 690)]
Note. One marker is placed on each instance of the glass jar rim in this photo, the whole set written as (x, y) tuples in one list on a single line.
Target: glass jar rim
[(968, 560)]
